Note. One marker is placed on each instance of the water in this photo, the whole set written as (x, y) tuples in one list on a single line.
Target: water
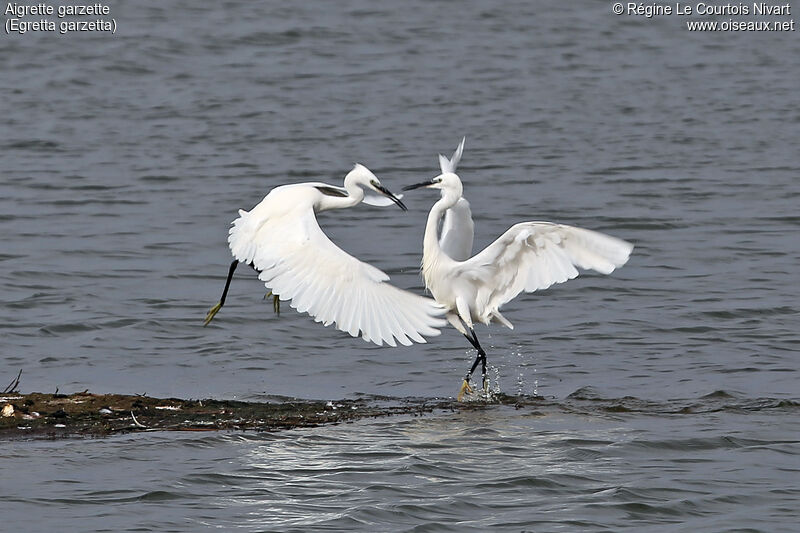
[(670, 386)]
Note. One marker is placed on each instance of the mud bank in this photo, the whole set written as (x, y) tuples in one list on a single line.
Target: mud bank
[(37, 415)]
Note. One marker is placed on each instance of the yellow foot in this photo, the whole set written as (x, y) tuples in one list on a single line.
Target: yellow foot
[(465, 388), (276, 302), (211, 313)]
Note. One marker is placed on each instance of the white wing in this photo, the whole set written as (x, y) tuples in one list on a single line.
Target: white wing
[(450, 165), (532, 256), (298, 262), (458, 231)]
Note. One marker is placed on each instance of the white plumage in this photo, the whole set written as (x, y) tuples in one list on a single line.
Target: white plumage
[(529, 256), (281, 239), (458, 231), (532, 256)]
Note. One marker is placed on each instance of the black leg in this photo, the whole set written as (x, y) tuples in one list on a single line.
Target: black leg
[(477, 358), (214, 310), (480, 358), (228, 282)]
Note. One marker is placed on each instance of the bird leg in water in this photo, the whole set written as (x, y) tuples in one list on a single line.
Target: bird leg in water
[(480, 358), (214, 310)]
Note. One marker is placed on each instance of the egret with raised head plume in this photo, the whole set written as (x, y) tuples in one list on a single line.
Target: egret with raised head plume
[(529, 256)]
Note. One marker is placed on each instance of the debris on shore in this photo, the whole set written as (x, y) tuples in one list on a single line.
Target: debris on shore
[(83, 414)]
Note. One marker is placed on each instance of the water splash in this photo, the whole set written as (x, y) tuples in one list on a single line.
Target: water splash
[(522, 364), (496, 372)]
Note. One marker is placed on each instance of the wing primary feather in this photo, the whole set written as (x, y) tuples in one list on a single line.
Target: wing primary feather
[(391, 308), (407, 327), (361, 314), (379, 327), (371, 329), (385, 323), (376, 312)]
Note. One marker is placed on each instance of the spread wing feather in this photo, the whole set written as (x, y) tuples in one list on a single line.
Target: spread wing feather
[(532, 256), (298, 262)]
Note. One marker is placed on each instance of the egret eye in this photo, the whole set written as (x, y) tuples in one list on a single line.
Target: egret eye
[(374, 183)]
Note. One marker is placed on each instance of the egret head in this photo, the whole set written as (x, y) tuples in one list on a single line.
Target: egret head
[(448, 182), (362, 179)]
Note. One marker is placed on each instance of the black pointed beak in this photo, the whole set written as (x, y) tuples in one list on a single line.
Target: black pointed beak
[(383, 190), (418, 185)]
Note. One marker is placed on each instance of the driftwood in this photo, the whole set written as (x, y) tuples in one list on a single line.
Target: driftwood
[(13, 385)]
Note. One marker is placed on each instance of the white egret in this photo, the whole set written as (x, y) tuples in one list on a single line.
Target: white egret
[(281, 239), (529, 256)]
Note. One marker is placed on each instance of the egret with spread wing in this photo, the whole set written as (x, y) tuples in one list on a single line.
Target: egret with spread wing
[(281, 239), (529, 256)]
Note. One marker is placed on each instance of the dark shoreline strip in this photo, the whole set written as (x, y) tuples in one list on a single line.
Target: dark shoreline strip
[(83, 414)]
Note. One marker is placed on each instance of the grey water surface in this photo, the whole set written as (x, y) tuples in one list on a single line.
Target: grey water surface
[(670, 387)]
